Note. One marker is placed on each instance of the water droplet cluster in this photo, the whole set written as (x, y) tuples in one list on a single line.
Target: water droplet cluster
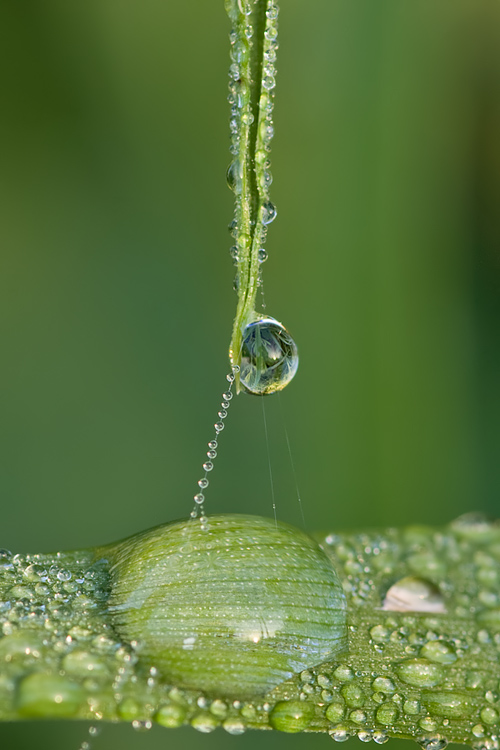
[(424, 635), (57, 648)]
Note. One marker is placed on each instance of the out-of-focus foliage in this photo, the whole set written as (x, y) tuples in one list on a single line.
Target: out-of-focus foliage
[(115, 282)]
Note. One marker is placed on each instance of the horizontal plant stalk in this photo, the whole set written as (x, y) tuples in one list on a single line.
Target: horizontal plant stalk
[(422, 659)]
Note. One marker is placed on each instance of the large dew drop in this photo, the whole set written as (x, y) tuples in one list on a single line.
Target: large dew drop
[(269, 357), (233, 610)]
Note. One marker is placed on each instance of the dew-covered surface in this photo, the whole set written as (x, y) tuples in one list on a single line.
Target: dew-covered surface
[(430, 675), (268, 363), (433, 677)]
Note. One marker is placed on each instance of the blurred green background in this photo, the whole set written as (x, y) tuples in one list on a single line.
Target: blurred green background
[(116, 298)]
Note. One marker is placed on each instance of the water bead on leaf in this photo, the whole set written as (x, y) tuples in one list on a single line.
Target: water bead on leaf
[(232, 610), (269, 357)]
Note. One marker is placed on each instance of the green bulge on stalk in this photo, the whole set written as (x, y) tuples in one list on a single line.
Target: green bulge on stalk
[(260, 345)]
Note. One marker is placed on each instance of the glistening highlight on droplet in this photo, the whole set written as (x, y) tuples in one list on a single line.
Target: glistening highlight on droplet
[(269, 357)]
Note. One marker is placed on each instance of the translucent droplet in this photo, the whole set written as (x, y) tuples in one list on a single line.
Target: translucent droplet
[(271, 33), (339, 734), (335, 712), (414, 594), (212, 445), (227, 396), (233, 252), (475, 526), (439, 652), (291, 716), (384, 685), (420, 672), (268, 212), (353, 695), (433, 743), (208, 466), (219, 426), (364, 736), (343, 674), (269, 357), (203, 483), (212, 454), (240, 51), (233, 725), (453, 705), (247, 118), (199, 498), (171, 715), (233, 177), (262, 255), (358, 716), (222, 414), (489, 715), (183, 596)]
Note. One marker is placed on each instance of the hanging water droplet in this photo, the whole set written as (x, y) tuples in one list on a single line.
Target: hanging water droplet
[(208, 466), (212, 454), (269, 357), (212, 444), (233, 177), (268, 212), (203, 483), (199, 498), (219, 426), (262, 255)]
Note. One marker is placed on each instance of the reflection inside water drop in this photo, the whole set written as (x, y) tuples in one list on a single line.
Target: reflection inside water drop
[(269, 357), (414, 594)]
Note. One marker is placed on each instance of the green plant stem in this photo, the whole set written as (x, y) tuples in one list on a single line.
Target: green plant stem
[(433, 676), (253, 37)]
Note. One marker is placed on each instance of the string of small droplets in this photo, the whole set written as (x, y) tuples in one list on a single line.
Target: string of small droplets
[(199, 498)]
